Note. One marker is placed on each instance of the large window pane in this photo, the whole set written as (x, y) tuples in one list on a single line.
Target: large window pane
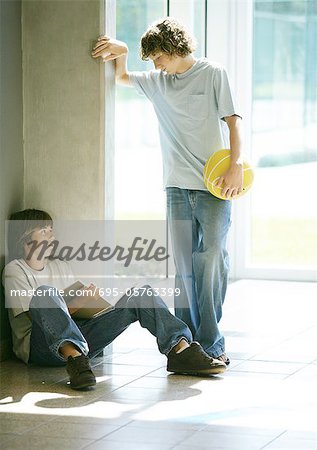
[(138, 168), (284, 145), (192, 14)]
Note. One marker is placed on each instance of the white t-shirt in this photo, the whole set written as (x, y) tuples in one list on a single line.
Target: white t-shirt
[(190, 107), (20, 281)]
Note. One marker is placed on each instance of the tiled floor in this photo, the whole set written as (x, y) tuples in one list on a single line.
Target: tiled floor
[(267, 400)]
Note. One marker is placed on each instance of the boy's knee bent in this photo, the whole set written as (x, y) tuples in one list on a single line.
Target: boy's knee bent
[(139, 295), (46, 297)]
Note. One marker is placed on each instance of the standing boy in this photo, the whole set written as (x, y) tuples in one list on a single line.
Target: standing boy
[(197, 116)]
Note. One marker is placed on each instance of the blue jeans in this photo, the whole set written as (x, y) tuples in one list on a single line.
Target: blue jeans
[(52, 326), (203, 292)]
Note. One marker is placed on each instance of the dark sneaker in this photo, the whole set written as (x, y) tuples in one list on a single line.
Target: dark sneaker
[(80, 373), (224, 358), (194, 361)]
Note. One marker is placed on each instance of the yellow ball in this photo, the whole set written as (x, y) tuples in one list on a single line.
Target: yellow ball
[(216, 166)]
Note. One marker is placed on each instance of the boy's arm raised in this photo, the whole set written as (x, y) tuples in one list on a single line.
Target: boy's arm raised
[(111, 49)]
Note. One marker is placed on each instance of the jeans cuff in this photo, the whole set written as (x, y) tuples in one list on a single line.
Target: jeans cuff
[(176, 342), (55, 348), (220, 350)]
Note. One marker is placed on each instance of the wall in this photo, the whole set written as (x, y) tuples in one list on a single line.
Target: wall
[(54, 158), (63, 109), (11, 141)]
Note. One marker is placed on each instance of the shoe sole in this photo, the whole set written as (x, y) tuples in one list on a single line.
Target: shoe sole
[(83, 386), (212, 371)]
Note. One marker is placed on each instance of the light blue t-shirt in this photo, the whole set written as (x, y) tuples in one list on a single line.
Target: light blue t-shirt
[(189, 107)]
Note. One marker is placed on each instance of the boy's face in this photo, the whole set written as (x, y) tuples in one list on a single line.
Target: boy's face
[(165, 62), (39, 235)]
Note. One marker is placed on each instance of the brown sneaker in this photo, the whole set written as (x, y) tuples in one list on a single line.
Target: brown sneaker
[(194, 361), (80, 373)]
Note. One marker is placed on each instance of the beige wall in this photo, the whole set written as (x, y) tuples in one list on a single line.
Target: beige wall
[(63, 101), (11, 141), (64, 96)]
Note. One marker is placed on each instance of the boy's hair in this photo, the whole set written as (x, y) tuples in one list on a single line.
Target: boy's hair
[(168, 36), (21, 226)]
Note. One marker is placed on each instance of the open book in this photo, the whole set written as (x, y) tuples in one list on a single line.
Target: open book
[(85, 306)]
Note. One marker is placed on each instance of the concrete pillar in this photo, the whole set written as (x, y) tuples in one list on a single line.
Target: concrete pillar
[(11, 141), (64, 108), (57, 119)]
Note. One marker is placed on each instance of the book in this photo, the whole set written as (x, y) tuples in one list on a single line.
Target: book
[(85, 306)]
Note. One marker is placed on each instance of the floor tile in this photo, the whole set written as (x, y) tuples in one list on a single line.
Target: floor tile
[(152, 394), (295, 434), (294, 440), (255, 375), (141, 359), (246, 347), (20, 425), (241, 355), (167, 424), (47, 443), (115, 445), (27, 417), (125, 369), (292, 444), (306, 374), (73, 430), (166, 383), (183, 446), (234, 362), (287, 353), (160, 372), (204, 439), (5, 439), (268, 367), (149, 435), (270, 433), (102, 419), (112, 381)]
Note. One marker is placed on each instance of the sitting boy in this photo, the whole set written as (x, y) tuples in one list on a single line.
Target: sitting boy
[(45, 333)]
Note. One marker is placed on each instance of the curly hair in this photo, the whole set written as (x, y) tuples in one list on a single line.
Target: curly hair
[(168, 36)]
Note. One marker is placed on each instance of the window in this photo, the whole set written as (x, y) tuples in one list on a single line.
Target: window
[(283, 207), (138, 168)]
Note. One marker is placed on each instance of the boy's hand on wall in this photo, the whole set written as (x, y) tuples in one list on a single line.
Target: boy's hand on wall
[(109, 49)]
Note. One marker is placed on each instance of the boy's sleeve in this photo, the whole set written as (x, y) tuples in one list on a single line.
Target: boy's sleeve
[(224, 96), (18, 291), (144, 82)]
